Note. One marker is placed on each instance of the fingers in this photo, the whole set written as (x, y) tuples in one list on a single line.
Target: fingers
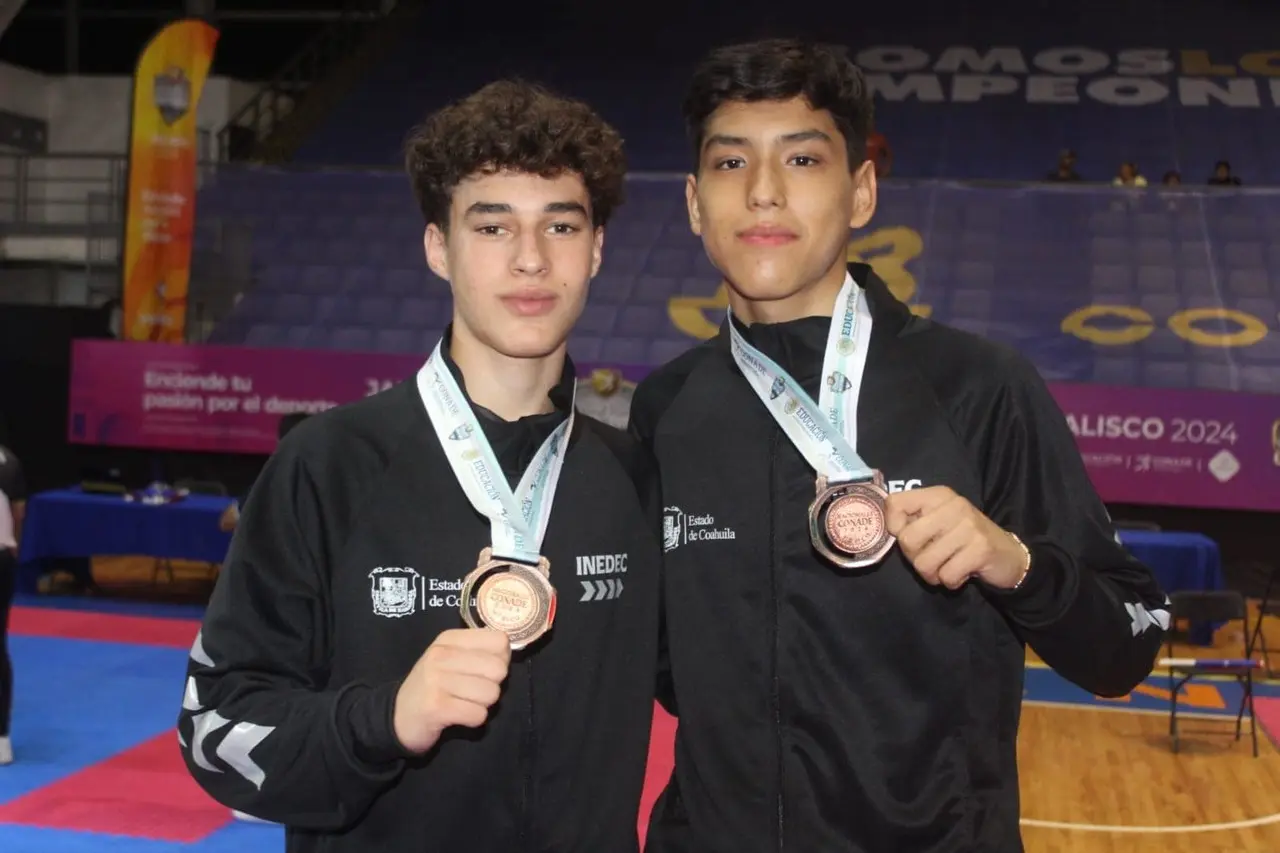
[(460, 712), (456, 661), (902, 507), (962, 565), (930, 560), (939, 536), (920, 529), (483, 640), (472, 688)]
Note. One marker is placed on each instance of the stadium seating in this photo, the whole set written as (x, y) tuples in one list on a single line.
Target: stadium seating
[(632, 64), (338, 264)]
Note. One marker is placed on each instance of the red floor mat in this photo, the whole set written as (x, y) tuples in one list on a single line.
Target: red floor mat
[(1267, 712), (661, 760), (103, 627), (144, 792)]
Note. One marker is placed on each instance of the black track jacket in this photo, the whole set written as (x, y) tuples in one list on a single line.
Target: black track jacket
[(287, 712), (867, 712)]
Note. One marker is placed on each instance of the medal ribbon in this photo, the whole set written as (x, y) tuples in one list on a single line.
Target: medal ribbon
[(825, 432), (517, 520)]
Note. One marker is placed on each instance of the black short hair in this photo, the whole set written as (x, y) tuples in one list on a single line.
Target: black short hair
[(779, 70), (521, 126)]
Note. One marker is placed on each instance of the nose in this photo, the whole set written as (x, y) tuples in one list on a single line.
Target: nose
[(531, 256), (764, 189)]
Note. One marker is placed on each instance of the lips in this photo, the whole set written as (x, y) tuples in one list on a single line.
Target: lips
[(531, 304), (767, 235)]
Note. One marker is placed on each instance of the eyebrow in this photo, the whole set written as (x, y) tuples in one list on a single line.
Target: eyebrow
[(482, 208), (810, 135)]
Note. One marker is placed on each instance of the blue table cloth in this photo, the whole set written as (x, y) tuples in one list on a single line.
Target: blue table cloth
[(1180, 561), (71, 523)]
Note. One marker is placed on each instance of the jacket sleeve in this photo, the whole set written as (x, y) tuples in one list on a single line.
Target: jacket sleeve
[(1088, 608), (261, 729), (640, 428)]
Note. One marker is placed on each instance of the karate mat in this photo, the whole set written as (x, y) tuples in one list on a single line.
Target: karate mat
[(98, 765)]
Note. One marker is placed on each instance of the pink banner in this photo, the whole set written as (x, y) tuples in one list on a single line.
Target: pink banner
[(1141, 445), (1177, 447)]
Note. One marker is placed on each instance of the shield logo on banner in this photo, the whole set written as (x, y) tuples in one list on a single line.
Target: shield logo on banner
[(172, 94)]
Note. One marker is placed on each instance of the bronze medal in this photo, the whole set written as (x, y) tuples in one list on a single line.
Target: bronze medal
[(514, 598), (847, 522)]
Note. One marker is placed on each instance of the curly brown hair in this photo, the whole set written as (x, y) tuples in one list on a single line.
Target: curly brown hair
[(518, 126)]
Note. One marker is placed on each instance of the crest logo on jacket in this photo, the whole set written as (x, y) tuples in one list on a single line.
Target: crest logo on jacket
[(681, 528), (395, 590)]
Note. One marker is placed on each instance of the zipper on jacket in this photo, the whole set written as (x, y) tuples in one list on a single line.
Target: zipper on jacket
[(775, 693), (528, 764)]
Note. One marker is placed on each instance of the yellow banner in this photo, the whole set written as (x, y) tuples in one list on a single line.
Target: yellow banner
[(160, 212)]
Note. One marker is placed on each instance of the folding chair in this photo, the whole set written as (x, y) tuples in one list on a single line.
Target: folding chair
[(1266, 607), (1213, 607)]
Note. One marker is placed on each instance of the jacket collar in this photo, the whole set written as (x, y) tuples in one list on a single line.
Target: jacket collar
[(797, 345)]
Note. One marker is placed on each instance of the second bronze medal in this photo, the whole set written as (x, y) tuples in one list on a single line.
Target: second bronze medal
[(847, 523)]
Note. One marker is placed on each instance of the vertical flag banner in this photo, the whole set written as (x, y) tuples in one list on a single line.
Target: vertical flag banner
[(160, 211)]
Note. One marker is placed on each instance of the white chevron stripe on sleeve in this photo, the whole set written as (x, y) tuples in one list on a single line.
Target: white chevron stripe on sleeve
[(236, 746), (198, 653), (204, 725)]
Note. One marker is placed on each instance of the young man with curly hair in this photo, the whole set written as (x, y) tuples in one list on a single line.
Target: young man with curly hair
[(871, 515), (385, 663)]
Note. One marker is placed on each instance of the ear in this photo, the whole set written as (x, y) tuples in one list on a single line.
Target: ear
[(691, 199), (435, 245), (864, 195), (597, 251)]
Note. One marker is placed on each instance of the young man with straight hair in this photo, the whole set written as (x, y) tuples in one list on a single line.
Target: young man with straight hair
[(437, 625), (869, 515)]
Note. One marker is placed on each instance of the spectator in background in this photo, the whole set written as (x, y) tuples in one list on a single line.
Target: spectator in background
[(1066, 171), (231, 515), (1128, 176), (1222, 176), (1172, 178), (13, 495), (879, 153)]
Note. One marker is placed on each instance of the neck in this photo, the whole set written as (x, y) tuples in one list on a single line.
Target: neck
[(816, 299), (511, 388)]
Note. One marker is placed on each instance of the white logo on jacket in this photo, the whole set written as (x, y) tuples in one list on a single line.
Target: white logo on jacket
[(681, 528), (598, 574), (395, 590)]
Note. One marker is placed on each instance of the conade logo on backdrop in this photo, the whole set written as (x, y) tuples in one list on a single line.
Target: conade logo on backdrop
[(890, 250), (1131, 77)]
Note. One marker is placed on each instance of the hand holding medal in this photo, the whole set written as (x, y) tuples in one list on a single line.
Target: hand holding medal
[(510, 588), (948, 540), (455, 683)]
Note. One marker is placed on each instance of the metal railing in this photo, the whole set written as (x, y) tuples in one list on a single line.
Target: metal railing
[(66, 214), (268, 112)]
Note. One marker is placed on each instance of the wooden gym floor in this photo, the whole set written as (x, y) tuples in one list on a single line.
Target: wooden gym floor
[(1094, 778)]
